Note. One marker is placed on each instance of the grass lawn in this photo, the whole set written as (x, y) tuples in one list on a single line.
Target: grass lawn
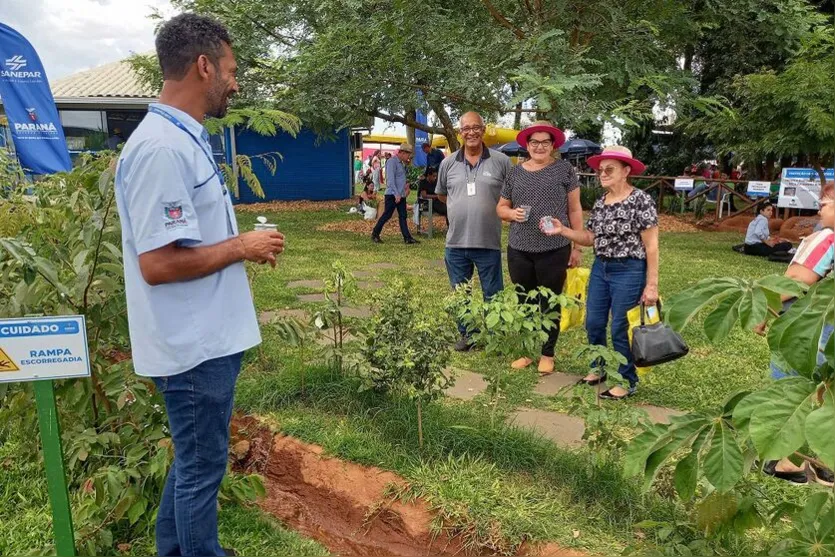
[(496, 486)]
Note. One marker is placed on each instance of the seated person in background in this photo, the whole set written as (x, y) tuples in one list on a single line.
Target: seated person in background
[(367, 197), (758, 240), (812, 262), (426, 191)]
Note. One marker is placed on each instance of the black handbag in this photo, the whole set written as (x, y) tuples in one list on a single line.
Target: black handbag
[(656, 343)]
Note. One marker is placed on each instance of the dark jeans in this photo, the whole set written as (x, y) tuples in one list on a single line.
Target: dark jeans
[(199, 406), (615, 287), (530, 270), (391, 205), (459, 267), (764, 250)]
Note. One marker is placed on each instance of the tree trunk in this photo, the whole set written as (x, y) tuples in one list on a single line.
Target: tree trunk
[(410, 131), (517, 117), (770, 159), (420, 425)]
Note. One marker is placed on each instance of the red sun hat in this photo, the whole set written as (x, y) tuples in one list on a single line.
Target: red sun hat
[(618, 153), (541, 126)]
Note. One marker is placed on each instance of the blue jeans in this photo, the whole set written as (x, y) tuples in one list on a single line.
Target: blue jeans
[(459, 266), (778, 373), (391, 205), (615, 286), (199, 406)]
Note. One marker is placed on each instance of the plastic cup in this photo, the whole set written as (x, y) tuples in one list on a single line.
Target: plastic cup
[(266, 226), (527, 209), (547, 224)]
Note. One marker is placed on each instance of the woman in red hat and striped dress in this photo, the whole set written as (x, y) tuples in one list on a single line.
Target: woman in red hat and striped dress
[(623, 228), (541, 187)]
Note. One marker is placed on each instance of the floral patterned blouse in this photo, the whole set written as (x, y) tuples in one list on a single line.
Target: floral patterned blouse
[(617, 227)]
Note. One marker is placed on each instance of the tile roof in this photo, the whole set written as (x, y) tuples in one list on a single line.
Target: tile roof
[(116, 79)]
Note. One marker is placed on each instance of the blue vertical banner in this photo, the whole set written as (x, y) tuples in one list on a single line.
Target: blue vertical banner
[(421, 137), (30, 108)]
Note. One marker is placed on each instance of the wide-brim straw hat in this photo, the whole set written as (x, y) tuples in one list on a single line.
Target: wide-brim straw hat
[(541, 126), (618, 153), (407, 147)]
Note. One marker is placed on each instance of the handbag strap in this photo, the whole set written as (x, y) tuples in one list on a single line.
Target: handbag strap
[(644, 309)]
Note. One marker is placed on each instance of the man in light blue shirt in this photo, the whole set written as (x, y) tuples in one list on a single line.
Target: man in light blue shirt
[(396, 193), (190, 309), (758, 239)]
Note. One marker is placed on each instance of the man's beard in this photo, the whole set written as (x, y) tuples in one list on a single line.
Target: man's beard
[(217, 100)]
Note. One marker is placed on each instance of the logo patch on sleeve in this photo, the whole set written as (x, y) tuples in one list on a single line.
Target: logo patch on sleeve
[(174, 218)]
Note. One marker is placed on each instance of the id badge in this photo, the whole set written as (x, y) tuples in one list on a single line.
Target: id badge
[(471, 189)]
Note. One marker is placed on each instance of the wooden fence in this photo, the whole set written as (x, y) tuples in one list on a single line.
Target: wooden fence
[(665, 185)]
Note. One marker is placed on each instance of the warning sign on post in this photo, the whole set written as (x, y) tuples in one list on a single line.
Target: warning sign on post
[(37, 348)]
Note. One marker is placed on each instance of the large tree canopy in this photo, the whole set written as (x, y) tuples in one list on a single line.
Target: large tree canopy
[(339, 62)]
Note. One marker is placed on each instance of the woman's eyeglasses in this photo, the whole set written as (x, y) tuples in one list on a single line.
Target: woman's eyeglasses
[(533, 143), (608, 171)]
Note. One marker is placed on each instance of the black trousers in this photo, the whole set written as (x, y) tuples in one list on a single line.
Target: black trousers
[(530, 270), (391, 205), (764, 250)]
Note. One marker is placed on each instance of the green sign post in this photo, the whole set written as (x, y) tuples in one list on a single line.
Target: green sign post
[(56, 477), (42, 349)]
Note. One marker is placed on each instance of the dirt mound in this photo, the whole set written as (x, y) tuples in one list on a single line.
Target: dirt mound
[(672, 223), (740, 223), (796, 227), (293, 206), (392, 228), (342, 505)]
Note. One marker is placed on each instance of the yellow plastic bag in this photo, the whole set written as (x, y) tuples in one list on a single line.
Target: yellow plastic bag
[(634, 318), (576, 285)]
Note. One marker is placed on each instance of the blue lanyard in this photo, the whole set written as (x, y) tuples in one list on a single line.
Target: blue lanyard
[(199, 143)]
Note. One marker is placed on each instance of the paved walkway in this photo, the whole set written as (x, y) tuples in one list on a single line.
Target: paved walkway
[(562, 429)]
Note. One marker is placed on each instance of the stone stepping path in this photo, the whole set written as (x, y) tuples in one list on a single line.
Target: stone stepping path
[(565, 430), (311, 297), (467, 385), (562, 429), (267, 317), (552, 384), (370, 284), (306, 284), (361, 312), (438, 263), (363, 274)]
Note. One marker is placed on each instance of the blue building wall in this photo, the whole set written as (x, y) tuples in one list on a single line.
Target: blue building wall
[(307, 171)]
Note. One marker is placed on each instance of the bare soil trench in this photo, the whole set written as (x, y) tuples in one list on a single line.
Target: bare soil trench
[(340, 504)]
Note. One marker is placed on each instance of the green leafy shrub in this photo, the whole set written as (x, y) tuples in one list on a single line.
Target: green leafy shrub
[(118, 450), (775, 422), (407, 350)]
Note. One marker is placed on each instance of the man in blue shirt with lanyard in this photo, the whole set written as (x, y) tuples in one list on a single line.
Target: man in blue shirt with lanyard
[(190, 309)]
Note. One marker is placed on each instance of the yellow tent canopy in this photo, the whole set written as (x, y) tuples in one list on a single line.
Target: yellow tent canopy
[(492, 136)]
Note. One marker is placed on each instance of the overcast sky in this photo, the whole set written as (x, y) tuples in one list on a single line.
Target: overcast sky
[(75, 35)]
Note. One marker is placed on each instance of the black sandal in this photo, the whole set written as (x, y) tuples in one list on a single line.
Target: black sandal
[(592, 382), (796, 478), (609, 396)]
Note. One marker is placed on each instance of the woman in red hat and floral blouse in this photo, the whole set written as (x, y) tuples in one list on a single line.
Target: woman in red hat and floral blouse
[(541, 187), (623, 228)]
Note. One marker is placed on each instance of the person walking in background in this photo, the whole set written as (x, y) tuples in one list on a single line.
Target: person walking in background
[(189, 306), (541, 188), (470, 182), (396, 193), (623, 228), (357, 169), (758, 240), (434, 157)]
